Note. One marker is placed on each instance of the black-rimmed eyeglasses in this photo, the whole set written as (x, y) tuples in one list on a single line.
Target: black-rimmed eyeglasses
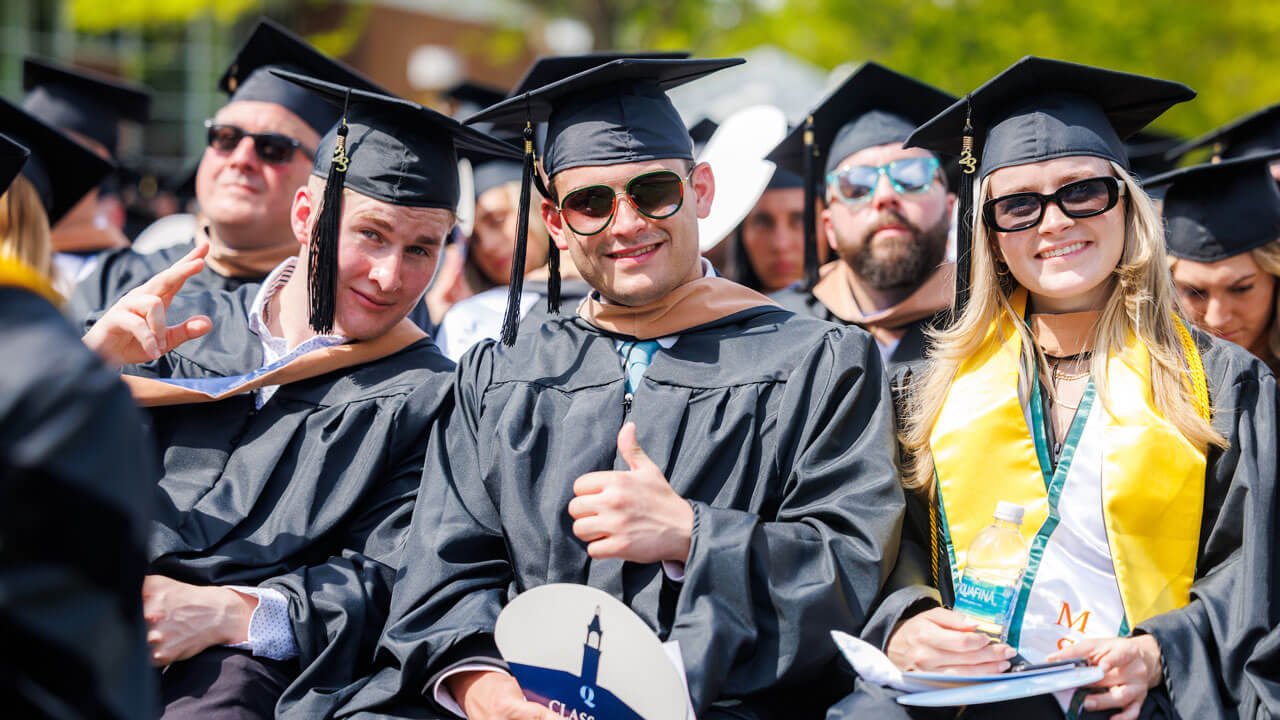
[(1079, 199)]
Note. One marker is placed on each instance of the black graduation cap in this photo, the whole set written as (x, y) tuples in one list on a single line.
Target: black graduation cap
[(1219, 210), (783, 179), (1035, 110), (1147, 151), (874, 106), (269, 47), (1254, 133), (12, 156), (474, 95), (614, 113), (549, 69), (61, 169), (702, 131), (610, 114), (387, 149), (84, 102), (494, 173), (487, 171)]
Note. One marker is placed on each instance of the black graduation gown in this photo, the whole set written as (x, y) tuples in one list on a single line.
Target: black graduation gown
[(1205, 645), (310, 495), (778, 429), (910, 349), (571, 294), (75, 468), (119, 271)]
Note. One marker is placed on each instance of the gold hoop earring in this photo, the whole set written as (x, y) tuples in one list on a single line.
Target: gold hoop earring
[(1002, 268)]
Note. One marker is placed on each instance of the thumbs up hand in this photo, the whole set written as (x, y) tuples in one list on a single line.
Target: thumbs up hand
[(633, 514)]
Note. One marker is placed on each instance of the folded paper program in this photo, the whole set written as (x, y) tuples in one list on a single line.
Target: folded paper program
[(954, 690)]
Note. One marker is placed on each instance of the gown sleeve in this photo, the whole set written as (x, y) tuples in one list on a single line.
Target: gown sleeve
[(1206, 645), (761, 592), (457, 568), (338, 605), (76, 470)]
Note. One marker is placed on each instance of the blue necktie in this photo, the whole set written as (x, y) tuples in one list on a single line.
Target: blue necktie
[(636, 356)]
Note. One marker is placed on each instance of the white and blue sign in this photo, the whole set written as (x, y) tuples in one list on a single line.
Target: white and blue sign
[(586, 656)]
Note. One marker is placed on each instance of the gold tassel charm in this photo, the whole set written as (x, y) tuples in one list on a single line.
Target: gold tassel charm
[(340, 160), (967, 159)]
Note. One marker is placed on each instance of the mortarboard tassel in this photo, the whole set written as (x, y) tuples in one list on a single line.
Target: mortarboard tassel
[(810, 209), (964, 218), (322, 265), (511, 320)]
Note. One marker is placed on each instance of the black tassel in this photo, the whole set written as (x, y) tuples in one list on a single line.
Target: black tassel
[(810, 206), (322, 265), (511, 321), (553, 278), (965, 217)]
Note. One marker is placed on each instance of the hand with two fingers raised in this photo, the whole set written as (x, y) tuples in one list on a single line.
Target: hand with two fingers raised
[(134, 329)]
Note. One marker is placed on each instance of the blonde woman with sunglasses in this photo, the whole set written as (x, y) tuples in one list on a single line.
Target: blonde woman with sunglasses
[(1143, 452)]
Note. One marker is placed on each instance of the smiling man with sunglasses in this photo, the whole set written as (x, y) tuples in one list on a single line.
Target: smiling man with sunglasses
[(887, 212), (260, 148), (718, 463)]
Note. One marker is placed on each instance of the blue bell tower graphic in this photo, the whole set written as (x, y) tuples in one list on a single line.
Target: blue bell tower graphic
[(591, 651), (575, 697)]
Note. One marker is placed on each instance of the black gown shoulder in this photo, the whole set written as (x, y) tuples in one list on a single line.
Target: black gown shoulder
[(74, 463)]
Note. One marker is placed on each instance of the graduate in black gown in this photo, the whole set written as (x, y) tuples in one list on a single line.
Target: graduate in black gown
[(1224, 239), (723, 466), (886, 216), (90, 108), (1150, 498), (261, 146), (283, 505), (74, 461), (44, 188)]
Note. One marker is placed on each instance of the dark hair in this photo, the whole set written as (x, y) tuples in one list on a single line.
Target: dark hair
[(744, 273)]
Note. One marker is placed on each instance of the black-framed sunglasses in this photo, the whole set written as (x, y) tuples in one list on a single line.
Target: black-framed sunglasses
[(856, 184), (1079, 199), (272, 148), (655, 195)]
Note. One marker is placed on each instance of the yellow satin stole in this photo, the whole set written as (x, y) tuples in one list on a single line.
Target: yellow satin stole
[(15, 273), (1153, 477)]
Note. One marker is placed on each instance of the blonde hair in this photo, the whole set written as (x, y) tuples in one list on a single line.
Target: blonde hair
[(24, 227), (1268, 258), (1142, 301)]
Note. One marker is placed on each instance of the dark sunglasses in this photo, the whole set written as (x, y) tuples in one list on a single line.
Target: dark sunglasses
[(1080, 199), (856, 184), (655, 195), (272, 148)]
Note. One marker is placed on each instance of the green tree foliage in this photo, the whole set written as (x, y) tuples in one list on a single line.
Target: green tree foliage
[(1223, 49)]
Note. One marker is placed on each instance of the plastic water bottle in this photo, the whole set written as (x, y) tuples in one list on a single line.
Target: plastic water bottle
[(993, 574)]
